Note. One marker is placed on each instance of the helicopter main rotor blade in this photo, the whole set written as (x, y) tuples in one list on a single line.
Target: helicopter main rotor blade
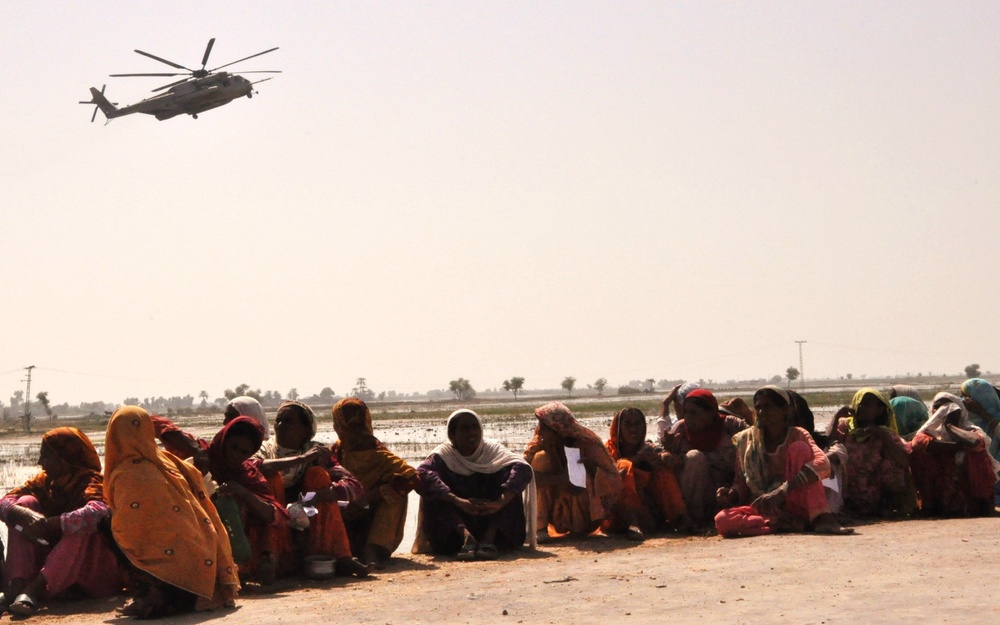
[(208, 50), (171, 84), (243, 59), (253, 83), (160, 74), (170, 63)]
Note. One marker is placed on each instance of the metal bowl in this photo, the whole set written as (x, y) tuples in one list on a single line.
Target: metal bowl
[(319, 567)]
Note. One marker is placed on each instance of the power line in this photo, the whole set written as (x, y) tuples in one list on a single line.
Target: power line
[(890, 351)]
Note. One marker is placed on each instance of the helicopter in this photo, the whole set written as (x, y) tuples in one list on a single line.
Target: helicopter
[(200, 90)]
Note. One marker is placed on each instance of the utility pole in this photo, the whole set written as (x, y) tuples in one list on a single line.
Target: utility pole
[(27, 400), (802, 369)]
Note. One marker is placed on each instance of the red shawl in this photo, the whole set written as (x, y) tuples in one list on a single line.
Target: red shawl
[(248, 474), (708, 438)]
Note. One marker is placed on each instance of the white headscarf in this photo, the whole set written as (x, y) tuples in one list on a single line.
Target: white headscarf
[(936, 426), (250, 407), (489, 457), (945, 404)]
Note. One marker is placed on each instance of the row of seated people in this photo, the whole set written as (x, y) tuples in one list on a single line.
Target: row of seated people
[(180, 527)]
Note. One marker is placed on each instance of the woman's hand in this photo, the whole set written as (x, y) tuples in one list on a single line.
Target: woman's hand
[(465, 505), (669, 460), (963, 437), (647, 455), (671, 397), (317, 455)]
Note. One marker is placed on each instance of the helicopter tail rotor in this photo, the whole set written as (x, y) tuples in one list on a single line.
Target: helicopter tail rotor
[(100, 102)]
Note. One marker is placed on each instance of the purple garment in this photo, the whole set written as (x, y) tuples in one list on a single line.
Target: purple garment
[(443, 523)]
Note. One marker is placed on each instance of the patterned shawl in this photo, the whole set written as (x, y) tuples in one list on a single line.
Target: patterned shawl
[(606, 482), (162, 518), (750, 445)]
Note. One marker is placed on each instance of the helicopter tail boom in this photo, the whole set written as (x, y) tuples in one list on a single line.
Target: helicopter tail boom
[(97, 97)]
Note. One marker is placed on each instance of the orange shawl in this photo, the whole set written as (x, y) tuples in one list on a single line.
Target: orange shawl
[(364, 455), (78, 486), (162, 517)]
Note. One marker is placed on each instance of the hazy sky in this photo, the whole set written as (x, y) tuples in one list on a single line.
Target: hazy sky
[(442, 189)]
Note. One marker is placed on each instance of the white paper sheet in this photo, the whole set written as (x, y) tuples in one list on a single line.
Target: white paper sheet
[(577, 472)]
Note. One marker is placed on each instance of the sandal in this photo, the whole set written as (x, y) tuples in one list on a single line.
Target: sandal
[(487, 552), (23, 605), (542, 536), (635, 534), (468, 551)]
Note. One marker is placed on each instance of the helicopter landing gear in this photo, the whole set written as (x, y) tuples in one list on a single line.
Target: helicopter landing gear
[(250, 95), (194, 115)]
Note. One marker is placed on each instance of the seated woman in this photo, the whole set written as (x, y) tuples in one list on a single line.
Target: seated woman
[(53, 541), (910, 415), (982, 400), (778, 472), (295, 465), (674, 398), (651, 499), (954, 473), (561, 503), (185, 445), (257, 522), (471, 494), (375, 520), (701, 449), (877, 473), (164, 524)]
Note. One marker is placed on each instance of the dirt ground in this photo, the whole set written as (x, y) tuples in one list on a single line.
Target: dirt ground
[(909, 571)]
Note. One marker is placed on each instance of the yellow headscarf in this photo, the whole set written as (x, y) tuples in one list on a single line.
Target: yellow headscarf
[(890, 423)]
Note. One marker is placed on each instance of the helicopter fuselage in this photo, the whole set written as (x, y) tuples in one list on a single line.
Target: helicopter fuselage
[(192, 97)]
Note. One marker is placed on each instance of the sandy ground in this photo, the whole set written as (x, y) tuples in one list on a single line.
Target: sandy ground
[(911, 571)]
